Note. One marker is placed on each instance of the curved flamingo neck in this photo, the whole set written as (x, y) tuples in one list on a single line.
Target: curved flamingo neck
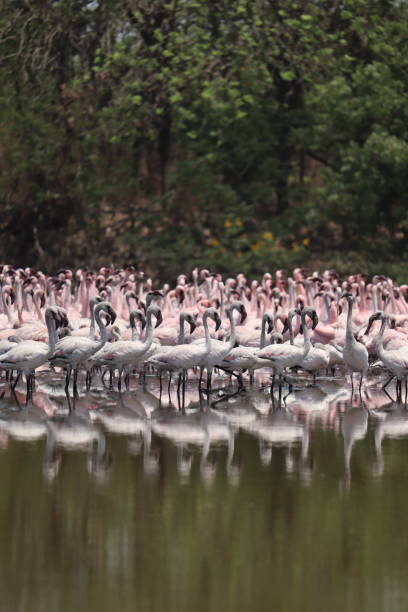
[(102, 329), (52, 332), (379, 347), (149, 331)]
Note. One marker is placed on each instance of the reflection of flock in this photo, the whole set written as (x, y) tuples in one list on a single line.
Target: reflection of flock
[(198, 429)]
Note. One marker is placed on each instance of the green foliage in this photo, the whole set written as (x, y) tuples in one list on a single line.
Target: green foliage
[(140, 130)]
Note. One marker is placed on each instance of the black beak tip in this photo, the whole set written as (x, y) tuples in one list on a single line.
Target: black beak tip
[(112, 315)]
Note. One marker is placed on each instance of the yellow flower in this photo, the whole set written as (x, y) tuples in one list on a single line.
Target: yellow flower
[(267, 235), (227, 223), (257, 245), (238, 222), (306, 241)]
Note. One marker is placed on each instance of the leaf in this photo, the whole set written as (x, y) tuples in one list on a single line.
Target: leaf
[(288, 75)]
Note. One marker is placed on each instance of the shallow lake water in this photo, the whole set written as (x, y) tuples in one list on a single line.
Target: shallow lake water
[(252, 505)]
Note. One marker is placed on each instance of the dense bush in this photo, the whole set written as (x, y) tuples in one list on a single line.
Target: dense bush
[(239, 135)]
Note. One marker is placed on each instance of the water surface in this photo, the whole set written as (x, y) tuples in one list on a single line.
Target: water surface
[(250, 506)]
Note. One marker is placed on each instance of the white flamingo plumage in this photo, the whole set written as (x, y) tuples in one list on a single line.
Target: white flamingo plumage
[(72, 352)]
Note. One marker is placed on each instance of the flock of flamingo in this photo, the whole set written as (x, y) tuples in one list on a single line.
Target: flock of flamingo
[(303, 333), (115, 322)]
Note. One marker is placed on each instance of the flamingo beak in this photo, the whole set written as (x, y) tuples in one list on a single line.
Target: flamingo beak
[(374, 317), (159, 318), (243, 313), (217, 321), (192, 323), (315, 320), (111, 315), (285, 326)]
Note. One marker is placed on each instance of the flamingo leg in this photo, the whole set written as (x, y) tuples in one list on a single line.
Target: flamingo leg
[(361, 383), (387, 383), (75, 380), (184, 386), (88, 379), (209, 380), (127, 379), (68, 377), (16, 381)]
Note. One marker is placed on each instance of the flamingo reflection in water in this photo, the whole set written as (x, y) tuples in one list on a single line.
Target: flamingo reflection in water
[(73, 431), (198, 427), (279, 428), (392, 423), (354, 426), (128, 417), (22, 420)]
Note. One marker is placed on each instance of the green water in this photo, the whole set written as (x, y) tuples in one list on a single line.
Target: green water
[(291, 525)]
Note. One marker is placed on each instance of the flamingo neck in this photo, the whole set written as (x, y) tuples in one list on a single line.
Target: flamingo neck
[(52, 332), (362, 305), (375, 298), (290, 331), (207, 334), (149, 332), (92, 325), (262, 340), (37, 308), (326, 310), (102, 330), (379, 340), (233, 334), (180, 339), (6, 309), (307, 343), (349, 326)]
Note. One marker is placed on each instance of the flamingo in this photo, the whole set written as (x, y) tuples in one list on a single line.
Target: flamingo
[(72, 352), (29, 355), (396, 361), (242, 358), (282, 356), (315, 358), (123, 353), (355, 354), (219, 350), (184, 356), (353, 427)]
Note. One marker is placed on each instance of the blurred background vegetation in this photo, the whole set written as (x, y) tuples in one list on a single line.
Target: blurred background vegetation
[(242, 135)]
